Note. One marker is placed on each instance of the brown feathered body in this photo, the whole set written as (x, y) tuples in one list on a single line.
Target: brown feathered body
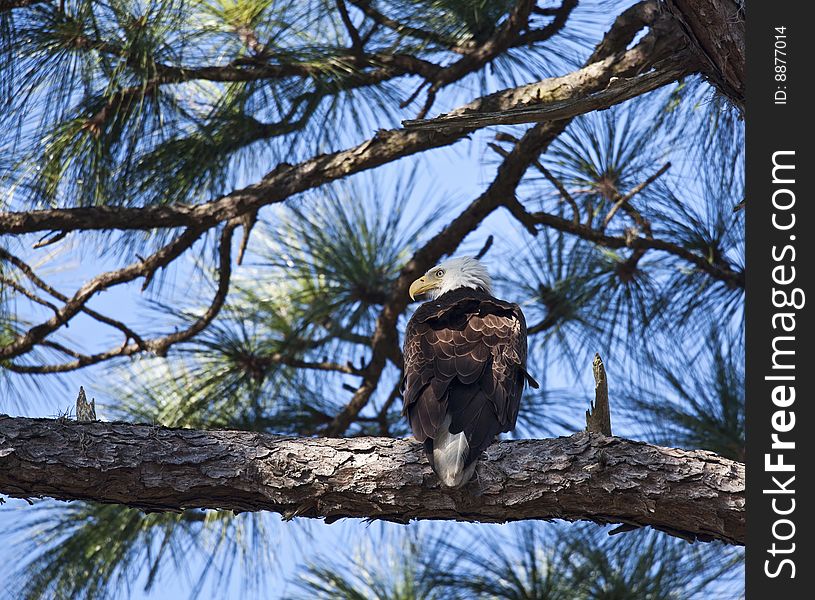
[(465, 369)]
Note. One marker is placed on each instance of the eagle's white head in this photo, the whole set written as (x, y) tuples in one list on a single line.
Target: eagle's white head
[(452, 274)]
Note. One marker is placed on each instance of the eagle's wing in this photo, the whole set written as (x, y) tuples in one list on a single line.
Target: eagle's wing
[(465, 359)]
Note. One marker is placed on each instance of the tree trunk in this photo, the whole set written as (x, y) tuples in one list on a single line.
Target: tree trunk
[(716, 32), (587, 476)]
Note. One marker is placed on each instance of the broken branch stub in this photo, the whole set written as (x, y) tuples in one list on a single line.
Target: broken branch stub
[(598, 416)]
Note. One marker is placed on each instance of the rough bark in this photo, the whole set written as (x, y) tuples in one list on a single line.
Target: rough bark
[(716, 32), (537, 109), (692, 494)]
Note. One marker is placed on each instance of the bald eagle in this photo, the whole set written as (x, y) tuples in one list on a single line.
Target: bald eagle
[(465, 367)]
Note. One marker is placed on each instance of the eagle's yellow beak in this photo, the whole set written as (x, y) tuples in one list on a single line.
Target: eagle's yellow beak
[(420, 286)]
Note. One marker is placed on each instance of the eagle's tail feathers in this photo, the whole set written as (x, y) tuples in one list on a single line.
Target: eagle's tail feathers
[(449, 453)]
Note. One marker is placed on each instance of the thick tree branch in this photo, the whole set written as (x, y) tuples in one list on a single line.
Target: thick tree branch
[(693, 494), (535, 108)]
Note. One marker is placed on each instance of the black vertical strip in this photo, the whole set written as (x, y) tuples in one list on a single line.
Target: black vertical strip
[(779, 328)]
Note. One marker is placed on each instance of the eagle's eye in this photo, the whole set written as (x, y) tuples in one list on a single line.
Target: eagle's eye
[(440, 273)]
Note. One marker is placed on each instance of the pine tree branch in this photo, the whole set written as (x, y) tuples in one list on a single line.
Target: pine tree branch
[(143, 268), (402, 29), (507, 36), (546, 324), (357, 46), (525, 38), (382, 66), (623, 200), (722, 271), (5, 281), (560, 14), (610, 62), (564, 193), (694, 494), (385, 147), (625, 28), (538, 106), (297, 363), (158, 345), (37, 281)]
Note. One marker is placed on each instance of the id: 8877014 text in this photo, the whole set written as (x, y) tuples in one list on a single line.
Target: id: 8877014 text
[(780, 65)]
